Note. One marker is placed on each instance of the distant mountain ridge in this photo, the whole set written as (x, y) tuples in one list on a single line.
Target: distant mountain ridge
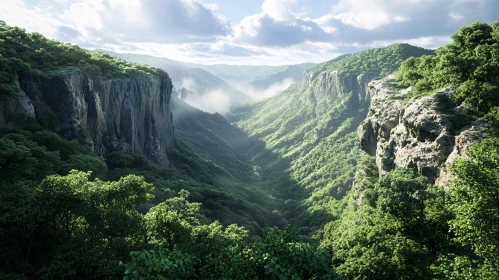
[(218, 88)]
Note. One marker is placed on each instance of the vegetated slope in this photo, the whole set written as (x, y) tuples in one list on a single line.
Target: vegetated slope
[(58, 222), (282, 74), (443, 129), (311, 128), (210, 137)]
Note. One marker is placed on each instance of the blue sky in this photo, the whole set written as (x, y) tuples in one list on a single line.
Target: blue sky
[(269, 32)]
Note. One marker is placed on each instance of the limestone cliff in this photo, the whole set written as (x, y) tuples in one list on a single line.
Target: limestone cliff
[(424, 133), (333, 86), (131, 114)]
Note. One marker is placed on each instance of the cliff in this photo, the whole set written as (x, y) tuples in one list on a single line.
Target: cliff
[(131, 114), (333, 86), (426, 133)]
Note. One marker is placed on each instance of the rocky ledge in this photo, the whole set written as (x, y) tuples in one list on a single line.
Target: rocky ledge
[(425, 133)]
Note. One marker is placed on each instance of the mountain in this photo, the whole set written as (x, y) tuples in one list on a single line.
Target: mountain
[(282, 74), (218, 88), (200, 87), (312, 126), (246, 74)]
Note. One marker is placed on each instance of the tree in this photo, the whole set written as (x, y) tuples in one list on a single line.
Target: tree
[(172, 222), (382, 233), (93, 225), (402, 194), (474, 200), (469, 64)]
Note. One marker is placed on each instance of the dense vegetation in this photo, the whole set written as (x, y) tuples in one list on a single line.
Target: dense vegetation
[(374, 62), (470, 64), (29, 54), (56, 222), (72, 226), (306, 146), (402, 227), (293, 160)]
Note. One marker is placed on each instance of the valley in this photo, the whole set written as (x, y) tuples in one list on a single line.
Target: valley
[(381, 164)]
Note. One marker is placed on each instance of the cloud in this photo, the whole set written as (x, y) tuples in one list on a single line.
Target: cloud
[(111, 21), (282, 30), (263, 30), (258, 94), (162, 21), (367, 21), (278, 9), (17, 13)]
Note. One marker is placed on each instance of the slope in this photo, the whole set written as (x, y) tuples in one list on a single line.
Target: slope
[(311, 127), (291, 73)]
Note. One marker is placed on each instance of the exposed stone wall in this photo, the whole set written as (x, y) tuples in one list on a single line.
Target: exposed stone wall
[(414, 133), (132, 114)]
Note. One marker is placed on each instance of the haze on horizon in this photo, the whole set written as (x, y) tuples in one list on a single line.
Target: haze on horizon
[(251, 32)]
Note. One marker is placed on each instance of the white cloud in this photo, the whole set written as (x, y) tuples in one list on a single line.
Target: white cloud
[(456, 16), (258, 94), (278, 9), (372, 14), (17, 13), (277, 26)]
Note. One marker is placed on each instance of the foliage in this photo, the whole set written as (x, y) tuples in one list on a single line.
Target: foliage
[(279, 256), (303, 139), (25, 54), (469, 64), (391, 228), (474, 200), (374, 62)]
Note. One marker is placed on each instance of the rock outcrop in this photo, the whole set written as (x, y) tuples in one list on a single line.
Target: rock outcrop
[(130, 114), (423, 133), (333, 86)]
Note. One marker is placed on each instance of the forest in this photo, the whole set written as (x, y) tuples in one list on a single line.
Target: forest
[(258, 194)]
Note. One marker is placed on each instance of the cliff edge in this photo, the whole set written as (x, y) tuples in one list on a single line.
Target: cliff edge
[(424, 133), (130, 114)]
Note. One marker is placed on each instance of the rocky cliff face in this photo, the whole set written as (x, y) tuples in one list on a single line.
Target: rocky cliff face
[(333, 86), (425, 134), (130, 114)]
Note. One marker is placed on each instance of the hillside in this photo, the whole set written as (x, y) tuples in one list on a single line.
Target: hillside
[(62, 110), (311, 127), (218, 88), (427, 192), (292, 73)]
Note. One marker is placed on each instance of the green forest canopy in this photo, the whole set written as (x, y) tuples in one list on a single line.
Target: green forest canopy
[(24, 54)]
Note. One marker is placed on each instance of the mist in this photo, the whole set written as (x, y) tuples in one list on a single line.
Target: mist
[(215, 101), (258, 94), (223, 100)]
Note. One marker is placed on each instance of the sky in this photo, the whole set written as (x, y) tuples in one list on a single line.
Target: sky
[(251, 32)]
